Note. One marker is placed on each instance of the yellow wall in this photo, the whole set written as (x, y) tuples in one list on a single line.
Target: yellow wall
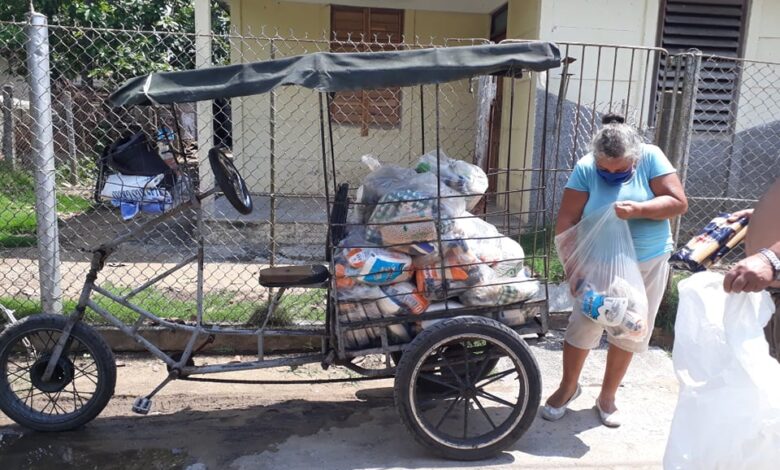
[(522, 23), (297, 143)]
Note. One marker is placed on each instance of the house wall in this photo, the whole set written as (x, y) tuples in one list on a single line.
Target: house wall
[(602, 78), (297, 143), (759, 81), (628, 22), (523, 20)]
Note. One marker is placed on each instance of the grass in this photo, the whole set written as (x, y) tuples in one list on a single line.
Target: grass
[(535, 245), (17, 208), (667, 312), (220, 307)]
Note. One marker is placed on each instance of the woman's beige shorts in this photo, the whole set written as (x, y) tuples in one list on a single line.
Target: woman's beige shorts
[(586, 334)]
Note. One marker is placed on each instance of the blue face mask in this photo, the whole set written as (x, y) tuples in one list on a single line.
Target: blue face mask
[(614, 179)]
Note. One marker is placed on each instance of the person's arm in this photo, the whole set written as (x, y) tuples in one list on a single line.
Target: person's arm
[(669, 201), (755, 273), (572, 204)]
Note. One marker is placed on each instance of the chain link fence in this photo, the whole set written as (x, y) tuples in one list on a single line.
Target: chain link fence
[(735, 140), (276, 141)]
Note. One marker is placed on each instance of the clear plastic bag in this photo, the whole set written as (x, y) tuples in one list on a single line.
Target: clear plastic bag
[(465, 178), (483, 240), (728, 410), (498, 290), (408, 219), (357, 261), (603, 273), (460, 270)]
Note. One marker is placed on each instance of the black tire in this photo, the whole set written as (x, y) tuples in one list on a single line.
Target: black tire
[(229, 180), (23, 357), (417, 406)]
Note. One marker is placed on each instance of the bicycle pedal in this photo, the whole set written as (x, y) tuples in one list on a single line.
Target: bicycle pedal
[(142, 406)]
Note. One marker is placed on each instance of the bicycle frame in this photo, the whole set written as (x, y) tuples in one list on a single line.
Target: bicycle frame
[(99, 258)]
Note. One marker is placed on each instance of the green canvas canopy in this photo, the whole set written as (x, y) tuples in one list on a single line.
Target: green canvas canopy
[(331, 72)]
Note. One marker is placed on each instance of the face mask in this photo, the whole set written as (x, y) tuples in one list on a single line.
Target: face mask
[(614, 179)]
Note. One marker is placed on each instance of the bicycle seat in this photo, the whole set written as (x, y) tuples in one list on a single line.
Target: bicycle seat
[(314, 275)]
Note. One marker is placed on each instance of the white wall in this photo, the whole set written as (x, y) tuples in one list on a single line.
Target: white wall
[(605, 77), (759, 101)]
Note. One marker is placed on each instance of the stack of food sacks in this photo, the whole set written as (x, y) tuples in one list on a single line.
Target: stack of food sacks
[(394, 262)]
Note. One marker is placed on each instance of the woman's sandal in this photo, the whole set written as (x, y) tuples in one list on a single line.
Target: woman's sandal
[(610, 420), (551, 413)]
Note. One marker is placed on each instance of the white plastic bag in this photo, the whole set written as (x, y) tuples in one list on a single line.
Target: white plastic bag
[(728, 411), (603, 273)]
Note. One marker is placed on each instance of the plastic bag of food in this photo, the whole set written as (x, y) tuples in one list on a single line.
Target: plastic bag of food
[(364, 337), (603, 273), (358, 261), (357, 292), (357, 338), (460, 270), (465, 178), (497, 290), (728, 410), (439, 307), (402, 298), (483, 240), (407, 220)]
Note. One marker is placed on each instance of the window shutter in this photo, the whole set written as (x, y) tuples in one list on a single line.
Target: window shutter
[(716, 28), (382, 30)]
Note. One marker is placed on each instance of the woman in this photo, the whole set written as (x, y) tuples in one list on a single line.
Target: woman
[(643, 185)]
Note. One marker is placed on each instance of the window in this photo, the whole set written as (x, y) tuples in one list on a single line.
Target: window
[(716, 27), (382, 30)]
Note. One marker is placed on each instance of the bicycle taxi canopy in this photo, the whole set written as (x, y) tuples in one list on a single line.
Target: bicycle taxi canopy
[(333, 72)]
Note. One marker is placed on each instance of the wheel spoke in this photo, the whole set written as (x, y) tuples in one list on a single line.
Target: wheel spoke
[(495, 377), (88, 376), (484, 412), (447, 412), (494, 398), (432, 378), (466, 360), (452, 371), (55, 403), (438, 398), (29, 394), (17, 365), (48, 402), (466, 418), (482, 368), (14, 376), (76, 395)]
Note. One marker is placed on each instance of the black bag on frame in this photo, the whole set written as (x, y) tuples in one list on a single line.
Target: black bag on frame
[(135, 155)]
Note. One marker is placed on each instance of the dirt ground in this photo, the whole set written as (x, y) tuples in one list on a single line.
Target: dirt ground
[(340, 426)]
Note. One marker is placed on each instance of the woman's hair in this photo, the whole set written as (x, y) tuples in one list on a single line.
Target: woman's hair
[(616, 139)]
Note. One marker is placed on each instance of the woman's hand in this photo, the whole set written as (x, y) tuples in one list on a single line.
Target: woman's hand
[(628, 209)]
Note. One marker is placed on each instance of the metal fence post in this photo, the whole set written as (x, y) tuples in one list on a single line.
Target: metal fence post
[(70, 132), (45, 171), (8, 126), (682, 128)]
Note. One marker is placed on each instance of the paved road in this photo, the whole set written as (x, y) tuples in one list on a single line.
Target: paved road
[(342, 426)]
